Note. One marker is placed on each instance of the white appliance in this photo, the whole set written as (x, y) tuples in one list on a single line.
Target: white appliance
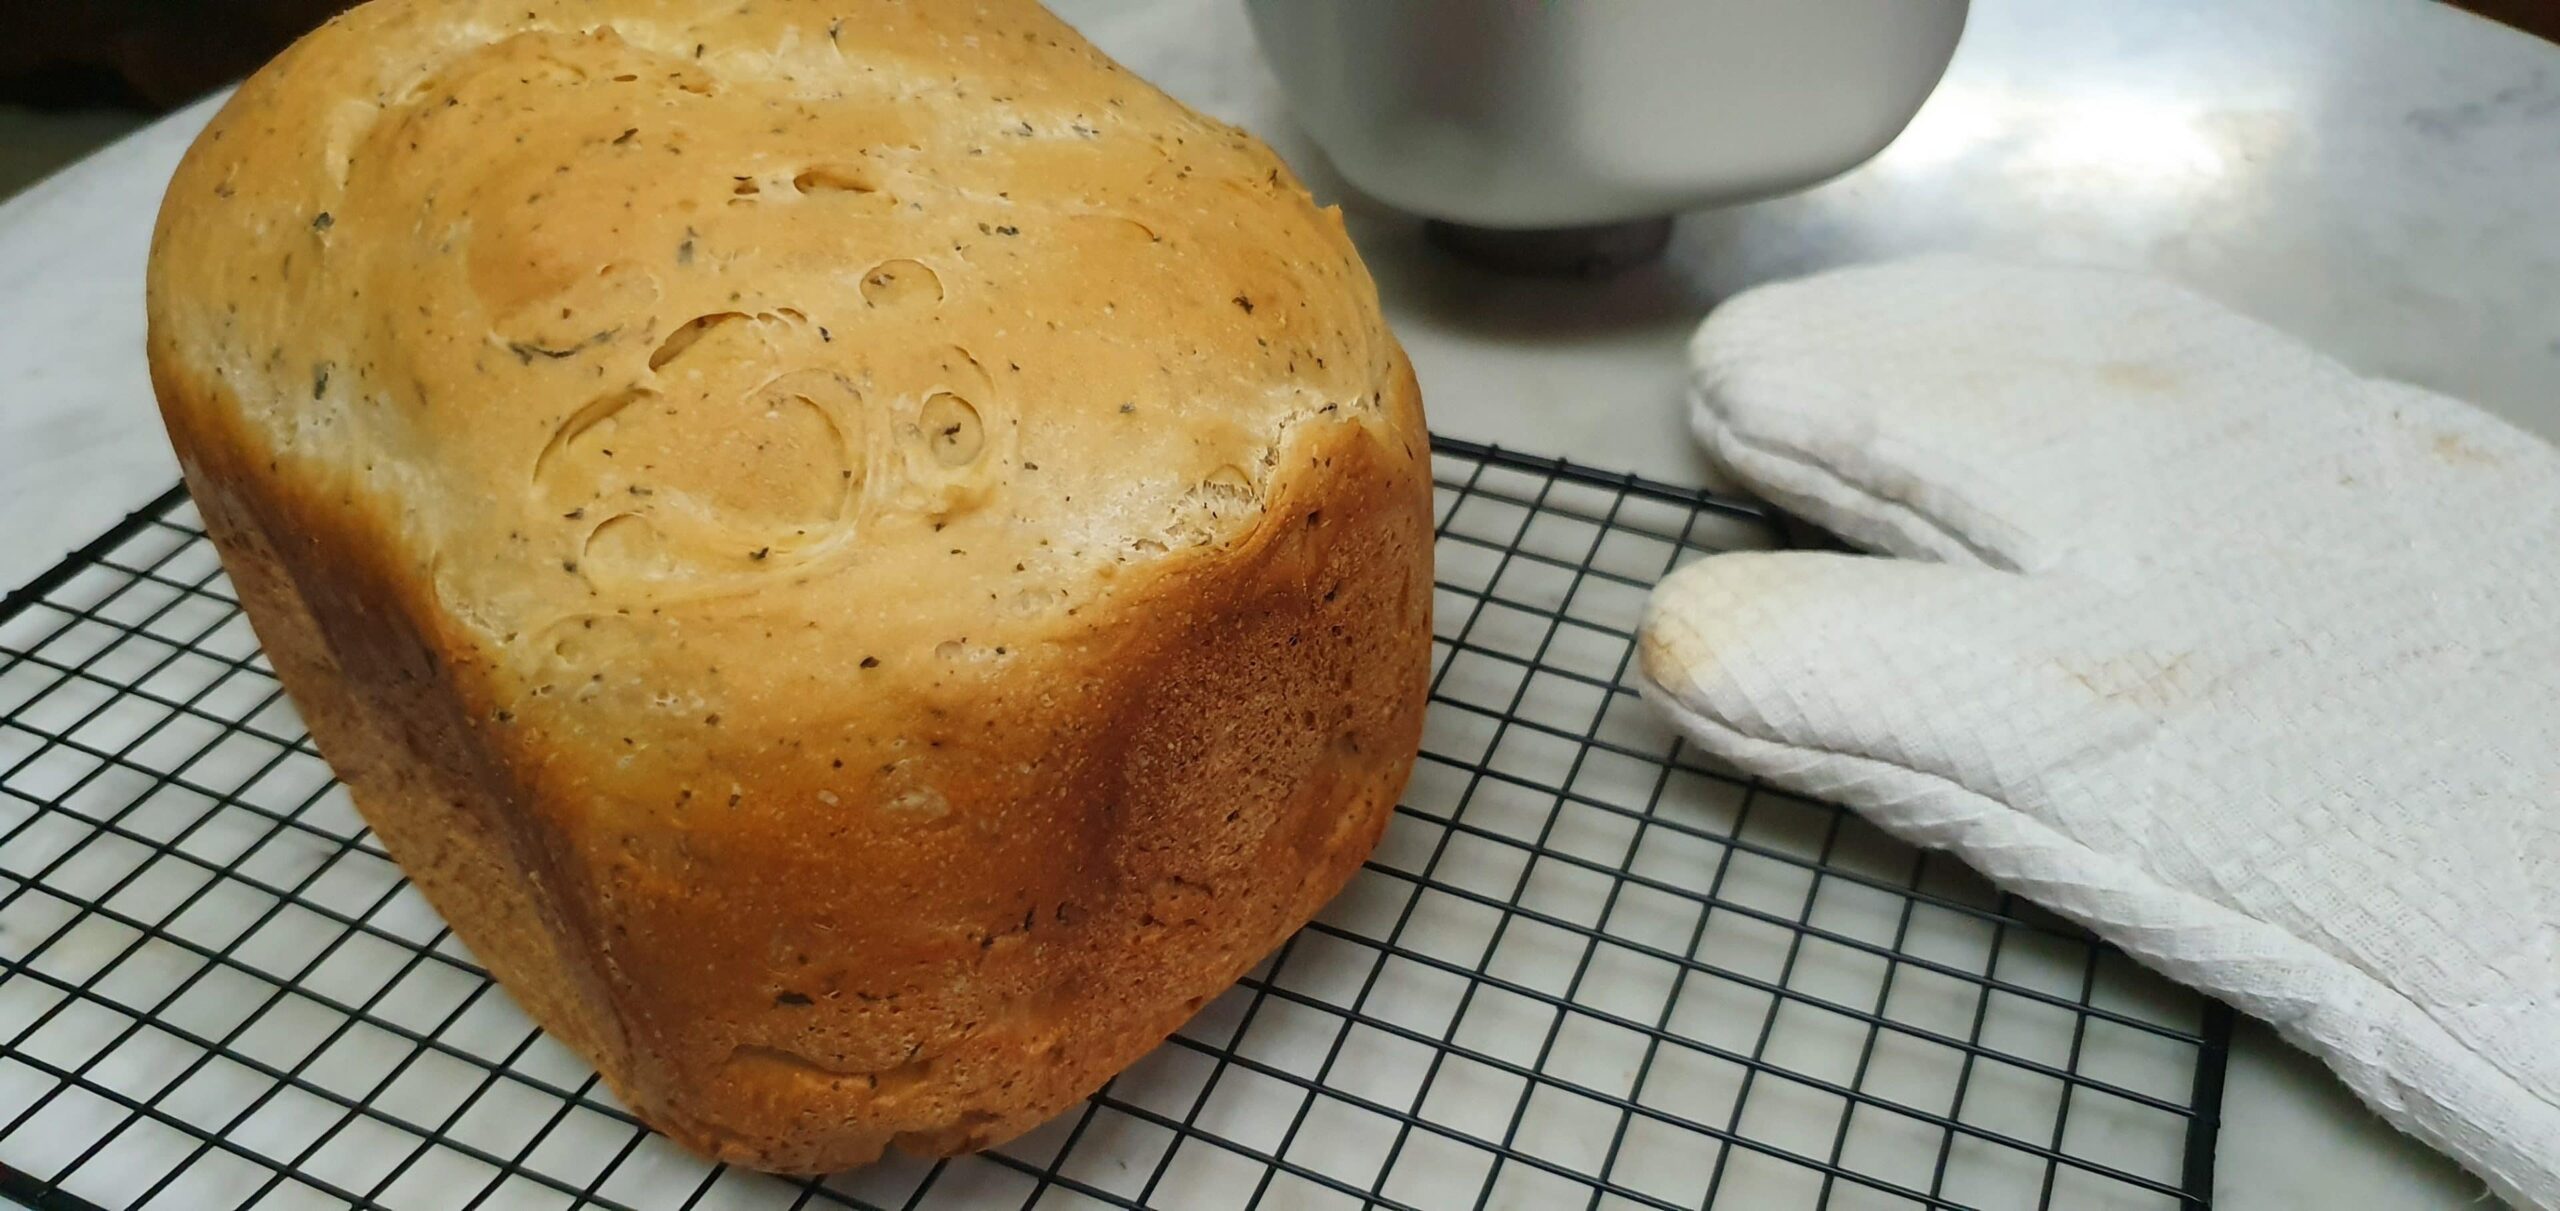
[(1569, 130)]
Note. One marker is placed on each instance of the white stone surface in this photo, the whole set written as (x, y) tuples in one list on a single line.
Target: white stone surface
[(2377, 176)]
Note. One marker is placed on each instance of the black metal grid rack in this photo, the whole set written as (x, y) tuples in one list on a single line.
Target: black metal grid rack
[(1588, 967)]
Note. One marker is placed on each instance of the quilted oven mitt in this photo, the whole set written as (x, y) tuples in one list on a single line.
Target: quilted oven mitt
[(2247, 663)]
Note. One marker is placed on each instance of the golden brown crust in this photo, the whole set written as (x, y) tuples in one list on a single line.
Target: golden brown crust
[(1079, 654)]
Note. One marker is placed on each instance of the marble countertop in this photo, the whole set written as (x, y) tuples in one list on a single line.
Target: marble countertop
[(2376, 176)]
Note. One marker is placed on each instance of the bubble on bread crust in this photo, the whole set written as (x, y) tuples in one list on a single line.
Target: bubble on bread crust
[(950, 649), (585, 641), (843, 184), (581, 427), (1213, 508), (626, 548), (958, 365), (1122, 234), (886, 1084), (901, 283), (952, 430), (459, 604), (1229, 482), (734, 467), (1223, 495), (346, 125), (833, 178), (921, 805), (811, 475), (587, 311), (966, 1134), (952, 443), (747, 468), (1035, 602), (689, 334)]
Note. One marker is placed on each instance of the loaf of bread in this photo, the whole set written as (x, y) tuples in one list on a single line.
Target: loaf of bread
[(868, 561)]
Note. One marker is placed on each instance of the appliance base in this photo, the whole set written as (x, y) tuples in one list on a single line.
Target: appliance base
[(1597, 251)]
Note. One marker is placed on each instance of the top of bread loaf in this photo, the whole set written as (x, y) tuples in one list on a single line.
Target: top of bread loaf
[(919, 323)]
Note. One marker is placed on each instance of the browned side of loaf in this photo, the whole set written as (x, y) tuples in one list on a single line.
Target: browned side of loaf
[(1213, 763)]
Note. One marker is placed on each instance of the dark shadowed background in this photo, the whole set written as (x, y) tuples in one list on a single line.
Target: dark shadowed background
[(77, 73)]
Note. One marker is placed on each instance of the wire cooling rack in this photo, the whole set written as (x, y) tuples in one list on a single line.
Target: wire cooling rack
[(1588, 967)]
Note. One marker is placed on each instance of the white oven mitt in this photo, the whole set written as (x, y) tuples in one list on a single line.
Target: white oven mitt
[(2246, 663)]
